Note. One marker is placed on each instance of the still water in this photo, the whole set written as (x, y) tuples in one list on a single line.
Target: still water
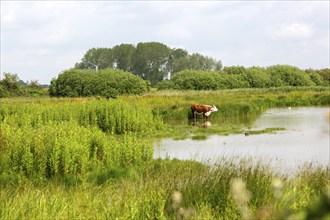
[(305, 140)]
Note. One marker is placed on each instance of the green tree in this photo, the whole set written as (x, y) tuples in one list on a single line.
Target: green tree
[(200, 62), (123, 57), (150, 60), (177, 60), (96, 58), (195, 61), (10, 82)]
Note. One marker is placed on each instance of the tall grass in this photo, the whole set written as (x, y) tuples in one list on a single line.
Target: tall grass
[(43, 140), (114, 116), (170, 189), (67, 149)]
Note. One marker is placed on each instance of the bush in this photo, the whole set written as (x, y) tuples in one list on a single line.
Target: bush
[(108, 82), (195, 80), (240, 77), (325, 74), (165, 85), (285, 75), (317, 78), (257, 77)]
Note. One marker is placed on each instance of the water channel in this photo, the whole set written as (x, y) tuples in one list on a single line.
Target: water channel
[(304, 140)]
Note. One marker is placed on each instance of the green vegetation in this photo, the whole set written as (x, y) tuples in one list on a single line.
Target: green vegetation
[(240, 77), (266, 130), (152, 61), (109, 83), (88, 158), (169, 189), (12, 86)]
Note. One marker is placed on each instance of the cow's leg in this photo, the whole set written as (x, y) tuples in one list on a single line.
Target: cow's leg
[(193, 116)]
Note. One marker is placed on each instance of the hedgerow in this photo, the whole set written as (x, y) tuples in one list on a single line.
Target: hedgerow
[(240, 77)]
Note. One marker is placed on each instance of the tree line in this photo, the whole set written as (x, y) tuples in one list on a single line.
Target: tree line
[(152, 61), (130, 69), (241, 77)]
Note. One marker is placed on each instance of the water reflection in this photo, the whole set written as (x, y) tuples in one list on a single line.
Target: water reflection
[(305, 139)]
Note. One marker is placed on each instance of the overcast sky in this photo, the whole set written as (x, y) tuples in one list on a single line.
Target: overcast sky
[(40, 39)]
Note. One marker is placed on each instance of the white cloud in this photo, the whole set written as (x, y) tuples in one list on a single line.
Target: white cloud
[(41, 38), (295, 31)]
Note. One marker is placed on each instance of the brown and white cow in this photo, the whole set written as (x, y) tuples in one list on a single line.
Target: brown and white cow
[(206, 110)]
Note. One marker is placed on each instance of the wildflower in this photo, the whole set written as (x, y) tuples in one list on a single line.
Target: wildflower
[(177, 199), (277, 186), (242, 196)]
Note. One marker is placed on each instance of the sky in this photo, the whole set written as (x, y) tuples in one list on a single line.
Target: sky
[(40, 39)]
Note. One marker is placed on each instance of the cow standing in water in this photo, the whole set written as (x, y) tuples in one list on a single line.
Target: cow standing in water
[(206, 110)]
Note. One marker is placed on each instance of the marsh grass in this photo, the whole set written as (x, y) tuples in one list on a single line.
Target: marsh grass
[(199, 137), (265, 131), (167, 189), (86, 158)]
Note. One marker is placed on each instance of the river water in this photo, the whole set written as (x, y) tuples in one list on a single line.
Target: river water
[(305, 140)]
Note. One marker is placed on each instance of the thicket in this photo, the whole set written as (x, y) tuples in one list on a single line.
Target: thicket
[(240, 77), (12, 86), (108, 83)]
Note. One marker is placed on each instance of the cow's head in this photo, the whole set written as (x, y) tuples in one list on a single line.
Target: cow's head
[(213, 109)]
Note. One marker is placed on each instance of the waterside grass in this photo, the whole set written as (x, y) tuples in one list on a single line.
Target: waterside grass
[(170, 189), (85, 158)]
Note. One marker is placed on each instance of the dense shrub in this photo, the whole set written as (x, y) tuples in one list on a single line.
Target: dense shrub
[(325, 74), (317, 79), (241, 77), (165, 85), (195, 80), (285, 75), (257, 77), (108, 82)]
